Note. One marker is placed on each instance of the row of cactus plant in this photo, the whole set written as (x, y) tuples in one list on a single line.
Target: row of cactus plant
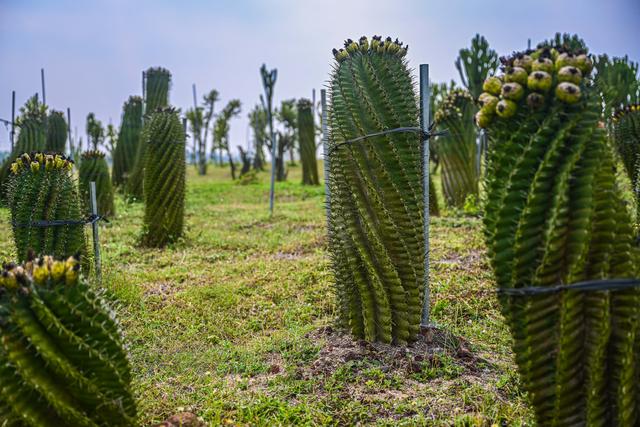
[(126, 149), (554, 215), (376, 222), (62, 358), (626, 136), (164, 178), (307, 142), (94, 167), (42, 188), (156, 95), (457, 149)]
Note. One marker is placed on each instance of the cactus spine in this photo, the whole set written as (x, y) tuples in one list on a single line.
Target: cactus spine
[(457, 149), (307, 143), (164, 179), (376, 224), (56, 132), (128, 141), (93, 167), (554, 215), (42, 188), (157, 84), (62, 361)]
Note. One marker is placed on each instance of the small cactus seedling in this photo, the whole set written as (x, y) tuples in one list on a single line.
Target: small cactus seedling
[(376, 223), (62, 360), (164, 179), (42, 188), (307, 143), (93, 167), (554, 216)]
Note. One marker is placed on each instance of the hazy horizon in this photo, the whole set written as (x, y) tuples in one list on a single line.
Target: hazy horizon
[(93, 53)]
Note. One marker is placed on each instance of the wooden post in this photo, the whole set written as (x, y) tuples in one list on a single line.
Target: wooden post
[(96, 238), (424, 124)]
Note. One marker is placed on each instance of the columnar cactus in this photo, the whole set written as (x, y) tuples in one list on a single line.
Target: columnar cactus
[(164, 179), (457, 149), (626, 136), (42, 188), (376, 222), (62, 361), (56, 132), (554, 215), (128, 140), (94, 167), (475, 64), (157, 84), (307, 143)]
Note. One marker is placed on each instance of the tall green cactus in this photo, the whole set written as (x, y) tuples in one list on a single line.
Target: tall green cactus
[(626, 136), (307, 143), (42, 188), (457, 149), (156, 95), (56, 132), (62, 361), (126, 150), (554, 215), (618, 81), (94, 167), (475, 64), (376, 223), (164, 179)]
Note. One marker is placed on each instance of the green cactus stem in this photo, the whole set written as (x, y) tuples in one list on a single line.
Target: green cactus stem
[(42, 188), (475, 64), (62, 359), (128, 141), (164, 179), (307, 143), (94, 167), (56, 132), (626, 136), (555, 215), (457, 149), (157, 85), (376, 224)]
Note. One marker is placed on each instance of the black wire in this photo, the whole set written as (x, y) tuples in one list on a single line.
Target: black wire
[(91, 219), (586, 286), (425, 135)]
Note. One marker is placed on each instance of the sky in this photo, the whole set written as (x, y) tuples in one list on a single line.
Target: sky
[(94, 52)]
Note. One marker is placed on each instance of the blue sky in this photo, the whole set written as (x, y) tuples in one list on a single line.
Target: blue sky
[(94, 51)]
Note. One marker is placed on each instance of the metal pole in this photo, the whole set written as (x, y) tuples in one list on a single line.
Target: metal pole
[(528, 43), (195, 98), (313, 104), (424, 124), (96, 238), (144, 95), (325, 151), (13, 118), (44, 96), (69, 131)]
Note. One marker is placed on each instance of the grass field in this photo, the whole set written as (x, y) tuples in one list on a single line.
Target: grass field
[(236, 322)]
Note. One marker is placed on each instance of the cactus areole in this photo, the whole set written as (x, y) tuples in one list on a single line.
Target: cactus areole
[(62, 360), (376, 223), (554, 216)]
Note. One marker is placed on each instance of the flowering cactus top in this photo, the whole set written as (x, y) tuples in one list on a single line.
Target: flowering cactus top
[(40, 271), (37, 161), (375, 45)]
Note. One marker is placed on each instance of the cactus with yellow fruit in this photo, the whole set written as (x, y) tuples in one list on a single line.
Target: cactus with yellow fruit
[(42, 188), (554, 216), (376, 223), (62, 358)]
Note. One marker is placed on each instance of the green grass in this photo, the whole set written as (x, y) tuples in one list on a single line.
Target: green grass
[(225, 322)]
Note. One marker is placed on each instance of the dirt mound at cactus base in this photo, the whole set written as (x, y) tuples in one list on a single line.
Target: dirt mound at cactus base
[(433, 349)]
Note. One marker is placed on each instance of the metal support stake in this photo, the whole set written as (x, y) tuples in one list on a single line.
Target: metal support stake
[(325, 150), (44, 96), (13, 118), (424, 124), (69, 132), (96, 238)]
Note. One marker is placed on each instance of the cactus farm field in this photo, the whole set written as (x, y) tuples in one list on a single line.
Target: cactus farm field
[(394, 250)]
